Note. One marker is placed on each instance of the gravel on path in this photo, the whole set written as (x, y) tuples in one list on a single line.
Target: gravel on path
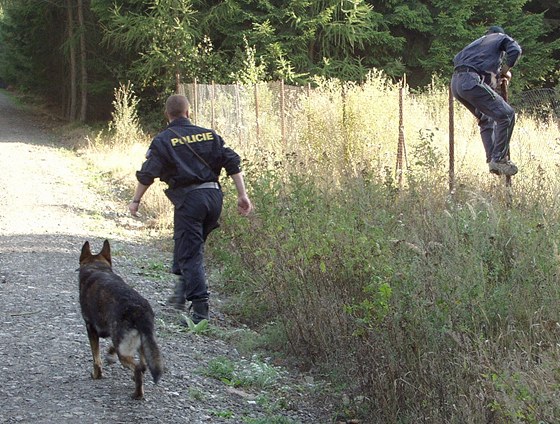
[(47, 211)]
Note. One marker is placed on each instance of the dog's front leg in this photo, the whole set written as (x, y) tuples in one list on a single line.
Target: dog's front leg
[(111, 355), (94, 344)]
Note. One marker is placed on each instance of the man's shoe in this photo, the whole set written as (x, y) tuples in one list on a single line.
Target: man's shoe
[(503, 167), (200, 310), (178, 299), (176, 302)]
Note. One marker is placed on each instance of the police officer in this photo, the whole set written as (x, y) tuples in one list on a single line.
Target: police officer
[(189, 159), (479, 68)]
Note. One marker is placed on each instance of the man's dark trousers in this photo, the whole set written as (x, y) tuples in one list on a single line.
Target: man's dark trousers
[(496, 118), (194, 220)]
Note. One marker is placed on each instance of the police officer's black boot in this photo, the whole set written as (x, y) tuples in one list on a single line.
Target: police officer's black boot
[(199, 310), (178, 299)]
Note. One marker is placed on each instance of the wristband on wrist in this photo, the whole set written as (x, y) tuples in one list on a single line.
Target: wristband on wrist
[(135, 201)]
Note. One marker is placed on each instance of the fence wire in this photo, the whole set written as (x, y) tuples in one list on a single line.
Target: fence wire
[(540, 102), (281, 120), (243, 112)]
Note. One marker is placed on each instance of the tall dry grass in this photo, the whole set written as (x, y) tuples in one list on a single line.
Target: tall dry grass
[(425, 306), (118, 152)]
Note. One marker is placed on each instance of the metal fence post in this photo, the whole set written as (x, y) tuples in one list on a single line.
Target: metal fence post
[(195, 100), (283, 111), (212, 105), (451, 143), (258, 131), (400, 146)]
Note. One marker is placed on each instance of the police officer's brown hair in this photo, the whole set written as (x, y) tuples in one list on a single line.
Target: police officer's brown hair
[(176, 105)]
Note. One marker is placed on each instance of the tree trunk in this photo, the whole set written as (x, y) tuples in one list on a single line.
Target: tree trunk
[(83, 67), (73, 70), (177, 81)]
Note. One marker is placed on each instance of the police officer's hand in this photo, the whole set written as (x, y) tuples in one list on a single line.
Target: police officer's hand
[(133, 208), (505, 73), (244, 205), (505, 77)]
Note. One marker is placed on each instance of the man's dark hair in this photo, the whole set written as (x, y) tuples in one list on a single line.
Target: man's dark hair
[(494, 29), (176, 105)]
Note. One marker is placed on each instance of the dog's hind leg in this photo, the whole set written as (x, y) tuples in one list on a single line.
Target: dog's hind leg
[(94, 344), (138, 368), (139, 381), (127, 345)]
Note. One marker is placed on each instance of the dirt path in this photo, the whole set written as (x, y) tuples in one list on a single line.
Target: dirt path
[(46, 213)]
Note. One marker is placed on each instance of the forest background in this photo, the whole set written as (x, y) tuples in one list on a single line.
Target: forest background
[(76, 52), (418, 303)]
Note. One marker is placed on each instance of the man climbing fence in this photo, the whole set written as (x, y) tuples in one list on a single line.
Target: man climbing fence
[(479, 70)]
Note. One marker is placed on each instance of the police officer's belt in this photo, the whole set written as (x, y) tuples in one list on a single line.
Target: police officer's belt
[(465, 68), (210, 184), (177, 194)]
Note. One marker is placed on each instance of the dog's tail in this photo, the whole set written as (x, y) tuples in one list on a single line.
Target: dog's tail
[(152, 355)]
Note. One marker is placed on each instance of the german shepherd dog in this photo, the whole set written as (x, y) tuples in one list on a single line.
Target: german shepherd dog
[(111, 308)]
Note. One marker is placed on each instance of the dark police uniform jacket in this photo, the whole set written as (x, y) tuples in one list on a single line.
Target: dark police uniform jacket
[(485, 56), (170, 159)]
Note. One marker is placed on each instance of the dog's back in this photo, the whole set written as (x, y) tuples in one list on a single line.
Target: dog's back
[(111, 308), (105, 298)]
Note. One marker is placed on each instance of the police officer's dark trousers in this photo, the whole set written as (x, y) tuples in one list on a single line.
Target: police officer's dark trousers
[(194, 220), (496, 118)]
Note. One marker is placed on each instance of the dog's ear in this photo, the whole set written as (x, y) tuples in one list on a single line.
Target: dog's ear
[(106, 251), (86, 252)]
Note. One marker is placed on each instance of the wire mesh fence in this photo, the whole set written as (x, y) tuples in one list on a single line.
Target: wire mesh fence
[(246, 113), (541, 102), (243, 112), (282, 118)]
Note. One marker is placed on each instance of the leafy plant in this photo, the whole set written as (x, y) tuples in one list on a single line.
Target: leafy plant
[(223, 414), (275, 419), (200, 328), (124, 127), (252, 373)]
